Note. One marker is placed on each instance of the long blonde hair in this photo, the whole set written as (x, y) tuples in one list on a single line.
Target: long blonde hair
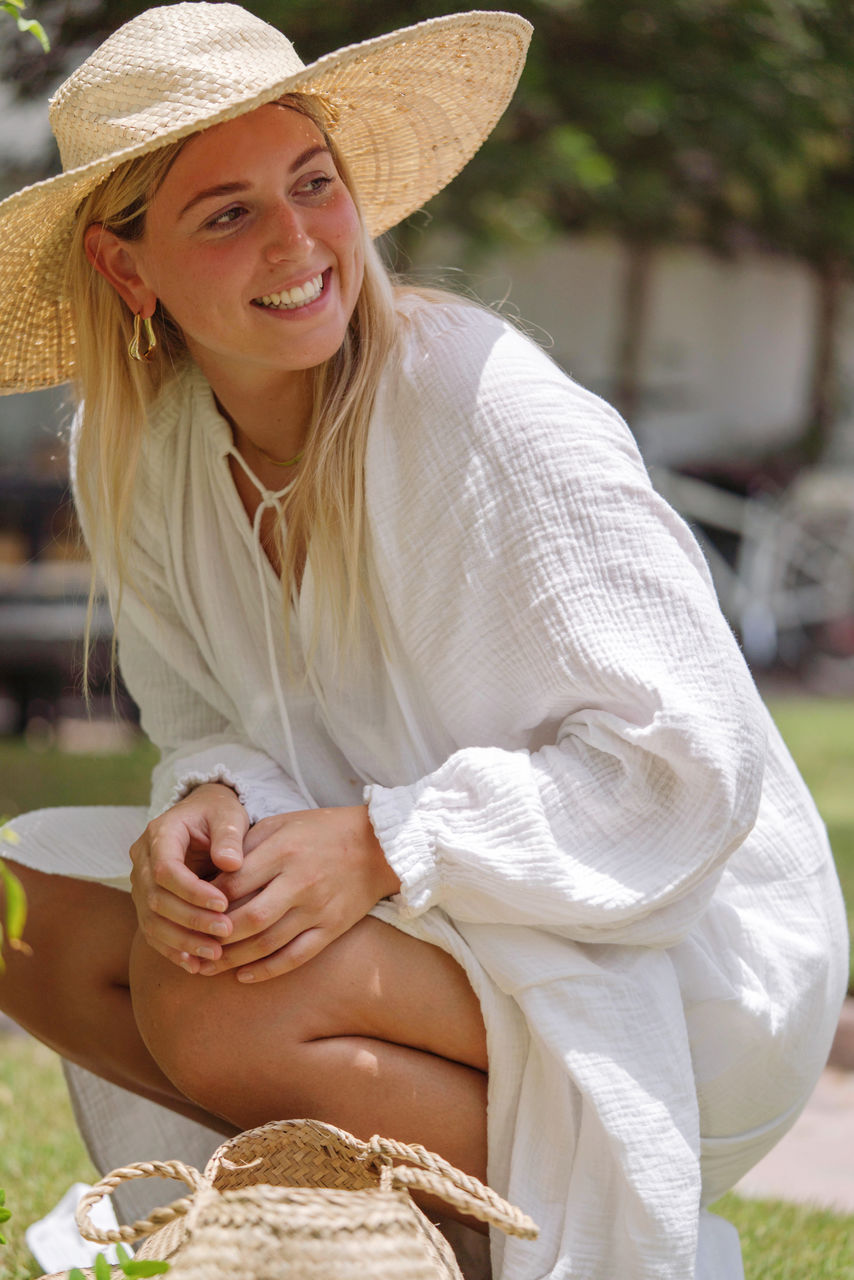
[(324, 511)]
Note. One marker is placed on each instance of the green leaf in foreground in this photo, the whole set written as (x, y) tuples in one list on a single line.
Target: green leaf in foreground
[(15, 904), (28, 25), (102, 1268), (103, 1271), (14, 914), (143, 1268)]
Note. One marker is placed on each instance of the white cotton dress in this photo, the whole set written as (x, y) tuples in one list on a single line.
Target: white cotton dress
[(567, 765)]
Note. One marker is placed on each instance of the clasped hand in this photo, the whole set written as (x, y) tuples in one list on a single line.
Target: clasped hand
[(213, 894)]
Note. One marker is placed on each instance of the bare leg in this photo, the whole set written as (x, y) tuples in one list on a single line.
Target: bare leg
[(379, 1033), (72, 993)]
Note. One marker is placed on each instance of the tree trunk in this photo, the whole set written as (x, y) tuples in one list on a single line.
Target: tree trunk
[(823, 397), (631, 329)]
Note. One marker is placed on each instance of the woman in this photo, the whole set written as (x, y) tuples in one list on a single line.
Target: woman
[(460, 765)]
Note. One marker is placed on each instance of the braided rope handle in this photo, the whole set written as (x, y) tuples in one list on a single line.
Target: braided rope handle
[(158, 1217), (437, 1177)]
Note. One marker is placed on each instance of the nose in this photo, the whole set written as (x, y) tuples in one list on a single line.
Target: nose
[(287, 235)]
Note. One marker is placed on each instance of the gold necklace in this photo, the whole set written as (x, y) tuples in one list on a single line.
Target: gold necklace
[(291, 462)]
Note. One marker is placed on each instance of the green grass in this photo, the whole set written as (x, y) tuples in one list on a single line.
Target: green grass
[(820, 735), (41, 1154), (790, 1242), (38, 780), (40, 1151)]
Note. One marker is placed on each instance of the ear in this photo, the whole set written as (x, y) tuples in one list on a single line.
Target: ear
[(118, 262)]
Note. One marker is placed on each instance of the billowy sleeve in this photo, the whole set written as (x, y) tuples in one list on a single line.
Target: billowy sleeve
[(562, 623), (186, 714), (184, 709)]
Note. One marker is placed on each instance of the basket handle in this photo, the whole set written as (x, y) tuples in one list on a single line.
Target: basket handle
[(158, 1217), (425, 1171)]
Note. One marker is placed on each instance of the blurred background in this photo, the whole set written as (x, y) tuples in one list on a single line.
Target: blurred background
[(668, 206)]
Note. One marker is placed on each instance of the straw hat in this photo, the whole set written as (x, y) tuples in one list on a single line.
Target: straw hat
[(410, 109)]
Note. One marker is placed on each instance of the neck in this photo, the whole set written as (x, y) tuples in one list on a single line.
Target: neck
[(269, 419)]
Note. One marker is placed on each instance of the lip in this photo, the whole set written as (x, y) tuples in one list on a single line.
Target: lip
[(296, 311)]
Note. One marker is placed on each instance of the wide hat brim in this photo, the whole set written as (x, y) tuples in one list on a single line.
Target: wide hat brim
[(411, 110)]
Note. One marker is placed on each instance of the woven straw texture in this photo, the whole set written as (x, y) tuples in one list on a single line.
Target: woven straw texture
[(408, 111), (301, 1200)]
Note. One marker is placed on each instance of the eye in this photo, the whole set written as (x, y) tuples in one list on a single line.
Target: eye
[(228, 216), (316, 186)]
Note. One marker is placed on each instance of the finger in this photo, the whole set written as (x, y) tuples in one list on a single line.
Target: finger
[(254, 915), (172, 874), (256, 873), (172, 941), (228, 827), (258, 945), (261, 831), (182, 959), (159, 904), (304, 947)]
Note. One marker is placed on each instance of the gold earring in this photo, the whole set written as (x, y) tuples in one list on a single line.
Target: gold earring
[(150, 339)]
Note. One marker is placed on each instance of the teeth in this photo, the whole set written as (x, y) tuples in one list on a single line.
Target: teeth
[(293, 298)]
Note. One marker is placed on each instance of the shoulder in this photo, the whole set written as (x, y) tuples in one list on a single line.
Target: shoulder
[(467, 380), (454, 347), (169, 416), (164, 446)]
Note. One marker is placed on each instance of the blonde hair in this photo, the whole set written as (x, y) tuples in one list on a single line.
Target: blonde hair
[(323, 513)]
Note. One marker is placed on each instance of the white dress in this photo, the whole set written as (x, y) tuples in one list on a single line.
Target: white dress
[(566, 762)]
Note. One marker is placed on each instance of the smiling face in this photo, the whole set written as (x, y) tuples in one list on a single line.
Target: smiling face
[(253, 244)]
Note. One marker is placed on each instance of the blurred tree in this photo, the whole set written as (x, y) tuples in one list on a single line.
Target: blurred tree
[(809, 211), (720, 122)]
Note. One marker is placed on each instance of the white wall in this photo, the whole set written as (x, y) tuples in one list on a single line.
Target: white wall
[(727, 351)]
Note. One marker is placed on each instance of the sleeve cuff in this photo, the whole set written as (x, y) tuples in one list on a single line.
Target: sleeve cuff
[(259, 783), (407, 847), (218, 773)]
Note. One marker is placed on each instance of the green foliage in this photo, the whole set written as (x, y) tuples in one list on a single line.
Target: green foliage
[(145, 1267), (703, 120), (132, 1269), (14, 903), (28, 25), (5, 1214)]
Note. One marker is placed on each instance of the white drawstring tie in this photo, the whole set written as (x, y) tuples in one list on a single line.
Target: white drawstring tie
[(272, 501)]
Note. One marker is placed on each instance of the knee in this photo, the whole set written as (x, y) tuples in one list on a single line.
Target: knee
[(172, 1014), (205, 1034)]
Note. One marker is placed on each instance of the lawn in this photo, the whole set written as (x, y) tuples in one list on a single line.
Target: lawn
[(820, 735), (40, 1153)]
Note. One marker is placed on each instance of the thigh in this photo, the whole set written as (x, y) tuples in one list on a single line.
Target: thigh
[(78, 936), (375, 981)]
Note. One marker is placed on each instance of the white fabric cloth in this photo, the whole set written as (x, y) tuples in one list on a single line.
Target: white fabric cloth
[(55, 1241), (566, 763)]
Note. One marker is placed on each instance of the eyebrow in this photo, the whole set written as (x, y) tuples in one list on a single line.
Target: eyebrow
[(235, 188)]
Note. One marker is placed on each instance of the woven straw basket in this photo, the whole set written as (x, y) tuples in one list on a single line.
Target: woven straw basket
[(300, 1200)]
